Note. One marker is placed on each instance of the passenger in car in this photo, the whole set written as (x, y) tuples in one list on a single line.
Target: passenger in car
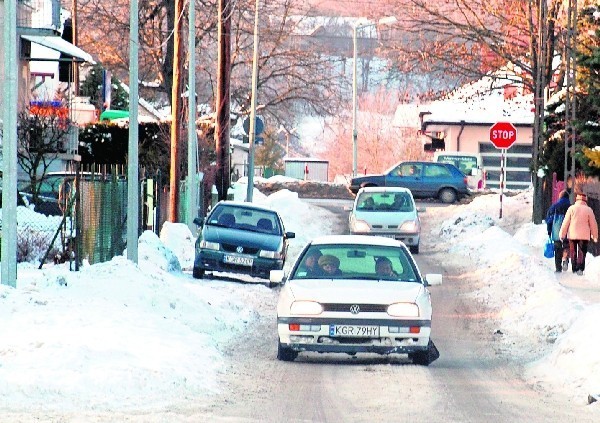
[(400, 202), (330, 266), (311, 263), (384, 269), (368, 204)]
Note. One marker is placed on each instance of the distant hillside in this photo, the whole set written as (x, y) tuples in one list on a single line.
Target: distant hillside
[(346, 8)]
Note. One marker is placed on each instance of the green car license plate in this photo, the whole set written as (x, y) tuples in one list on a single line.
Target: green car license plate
[(356, 331), (242, 261)]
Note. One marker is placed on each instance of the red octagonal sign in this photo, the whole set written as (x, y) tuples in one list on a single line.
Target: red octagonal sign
[(503, 134)]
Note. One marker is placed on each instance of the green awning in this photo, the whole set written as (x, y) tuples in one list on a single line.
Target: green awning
[(114, 114)]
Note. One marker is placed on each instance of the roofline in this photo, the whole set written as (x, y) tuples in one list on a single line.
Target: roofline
[(465, 123)]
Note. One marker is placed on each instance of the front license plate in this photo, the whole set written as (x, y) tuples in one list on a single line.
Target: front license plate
[(357, 331), (242, 261)]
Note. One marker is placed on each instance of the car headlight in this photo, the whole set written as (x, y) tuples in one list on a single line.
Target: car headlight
[(360, 226), (403, 310), (306, 308), (410, 226), (270, 254), (209, 245)]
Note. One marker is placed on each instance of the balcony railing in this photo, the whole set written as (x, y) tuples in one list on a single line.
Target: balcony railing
[(38, 17)]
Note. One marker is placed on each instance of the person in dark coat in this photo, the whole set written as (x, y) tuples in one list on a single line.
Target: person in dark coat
[(554, 218)]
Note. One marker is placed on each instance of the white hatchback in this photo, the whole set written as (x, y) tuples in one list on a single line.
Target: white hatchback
[(389, 212), (354, 294)]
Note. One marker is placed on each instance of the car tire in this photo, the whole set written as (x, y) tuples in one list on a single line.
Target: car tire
[(198, 273), (425, 358), (414, 249), (285, 353), (447, 195)]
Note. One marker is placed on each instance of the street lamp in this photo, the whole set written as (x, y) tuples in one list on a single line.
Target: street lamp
[(388, 20)]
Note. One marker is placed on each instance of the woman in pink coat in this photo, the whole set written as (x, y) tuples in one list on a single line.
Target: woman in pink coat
[(579, 226)]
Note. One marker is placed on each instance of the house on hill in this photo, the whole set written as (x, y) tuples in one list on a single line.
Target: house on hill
[(461, 122)]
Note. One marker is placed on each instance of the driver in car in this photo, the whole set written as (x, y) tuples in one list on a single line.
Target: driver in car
[(330, 265)]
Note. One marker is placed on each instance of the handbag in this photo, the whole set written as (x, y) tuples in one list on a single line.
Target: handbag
[(549, 248)]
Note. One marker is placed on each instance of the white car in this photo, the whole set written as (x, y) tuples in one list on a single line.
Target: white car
[(387, 211), (367, 295)]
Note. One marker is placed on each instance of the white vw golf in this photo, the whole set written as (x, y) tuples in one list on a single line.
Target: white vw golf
[(353, 294)]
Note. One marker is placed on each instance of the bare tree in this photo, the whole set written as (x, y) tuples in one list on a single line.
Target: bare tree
[(380, 143), (41, 134)]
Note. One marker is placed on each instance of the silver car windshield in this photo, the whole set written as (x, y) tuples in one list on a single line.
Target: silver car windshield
[(385, 202)]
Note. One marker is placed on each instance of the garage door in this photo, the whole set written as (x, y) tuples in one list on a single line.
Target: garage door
[(518, 162)]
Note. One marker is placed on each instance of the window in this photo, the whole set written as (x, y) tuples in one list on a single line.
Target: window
[(437, 171), (359, 262)]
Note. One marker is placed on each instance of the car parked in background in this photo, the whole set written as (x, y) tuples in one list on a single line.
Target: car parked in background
[(471, 164), (241, 237), (376, 301), (389, 212), (424, 179)]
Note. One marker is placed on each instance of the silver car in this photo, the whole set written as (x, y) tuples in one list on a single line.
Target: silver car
[(389, 212)]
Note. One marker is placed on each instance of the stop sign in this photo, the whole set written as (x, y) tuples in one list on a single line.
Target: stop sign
[(503, 134)]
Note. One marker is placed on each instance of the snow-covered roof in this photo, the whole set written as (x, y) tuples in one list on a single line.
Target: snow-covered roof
[(481, 102)]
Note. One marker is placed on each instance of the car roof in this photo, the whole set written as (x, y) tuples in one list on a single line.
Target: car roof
[(385, 189), (357, 239), (244, 204)]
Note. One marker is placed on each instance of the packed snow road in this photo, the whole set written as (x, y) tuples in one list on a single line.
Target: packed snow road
[(471, 382)]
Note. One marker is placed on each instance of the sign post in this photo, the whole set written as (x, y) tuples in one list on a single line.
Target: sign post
[(503, 135)]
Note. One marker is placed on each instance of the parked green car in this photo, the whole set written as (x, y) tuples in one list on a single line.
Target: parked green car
[(240, 237)]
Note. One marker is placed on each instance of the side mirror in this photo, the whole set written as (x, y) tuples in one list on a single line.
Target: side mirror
[(198, 221), (421, 209), (432, 279), (290, 235), (276, 277), (348, 208)]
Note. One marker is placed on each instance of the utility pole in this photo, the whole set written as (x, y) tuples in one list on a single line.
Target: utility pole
[(10, 83), (223, 98), (176, 114), (133, 197), (192, 188), (570, 103), (538, 120)]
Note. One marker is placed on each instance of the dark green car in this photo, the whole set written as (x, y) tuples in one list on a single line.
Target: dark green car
[(240, 237)]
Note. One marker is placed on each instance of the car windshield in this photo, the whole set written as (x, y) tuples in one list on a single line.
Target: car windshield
[(245, 218), (355, 261), (384, 202)]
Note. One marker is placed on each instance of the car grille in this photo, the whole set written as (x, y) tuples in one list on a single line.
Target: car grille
[(230, 248), (385, 227), (364, 308)]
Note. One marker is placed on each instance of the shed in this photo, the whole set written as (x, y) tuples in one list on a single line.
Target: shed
[(307, 169)]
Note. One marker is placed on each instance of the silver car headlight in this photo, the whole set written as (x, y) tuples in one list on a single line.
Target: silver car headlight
[(360, 226), (403, 310), (209, 245), (410, 226), (306, 308), (270, 254)]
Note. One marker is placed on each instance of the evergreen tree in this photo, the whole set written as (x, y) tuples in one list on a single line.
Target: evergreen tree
[(92, 88), (587, 126), (588, 110)]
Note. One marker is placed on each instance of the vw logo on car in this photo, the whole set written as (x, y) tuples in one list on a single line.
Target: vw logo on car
[(354, 309)]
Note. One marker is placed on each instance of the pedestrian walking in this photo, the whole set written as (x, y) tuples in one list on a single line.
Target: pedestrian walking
[(580, 227), (554, 219)]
